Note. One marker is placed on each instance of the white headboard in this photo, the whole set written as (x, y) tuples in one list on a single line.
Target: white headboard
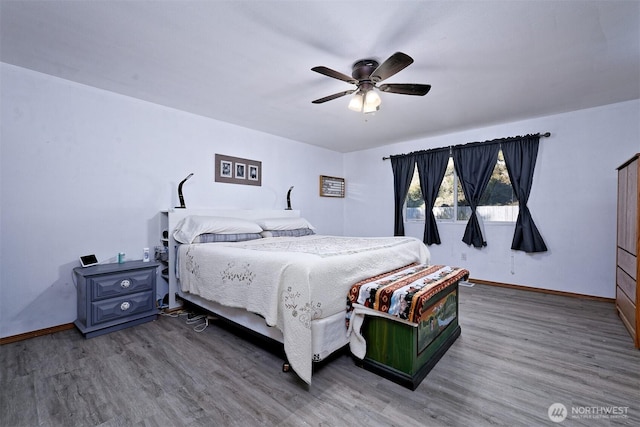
[(171, 218)]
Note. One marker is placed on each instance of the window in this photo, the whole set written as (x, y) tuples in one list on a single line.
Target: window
[(498, 203)]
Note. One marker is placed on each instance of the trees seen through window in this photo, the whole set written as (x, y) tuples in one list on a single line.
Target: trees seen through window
[(498, 202)]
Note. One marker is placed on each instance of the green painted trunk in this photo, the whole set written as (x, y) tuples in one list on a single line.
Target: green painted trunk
[(405, 353), (396, 344)]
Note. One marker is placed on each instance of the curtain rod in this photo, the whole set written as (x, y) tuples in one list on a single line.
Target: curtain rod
[(546, 135)]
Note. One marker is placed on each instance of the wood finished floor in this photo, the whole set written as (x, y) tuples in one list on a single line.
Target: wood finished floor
[(519, 352)]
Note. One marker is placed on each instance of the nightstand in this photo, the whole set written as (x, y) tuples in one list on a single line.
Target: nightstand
[(115, 296)]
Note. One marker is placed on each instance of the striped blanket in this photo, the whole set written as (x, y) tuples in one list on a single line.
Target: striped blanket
[(403, 293)]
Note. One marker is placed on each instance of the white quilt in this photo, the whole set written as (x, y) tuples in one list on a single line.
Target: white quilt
[(291, 281)]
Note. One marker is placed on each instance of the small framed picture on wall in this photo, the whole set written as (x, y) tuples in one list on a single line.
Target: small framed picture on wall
[(331, 186), (241, 170), (226, 169), (254, 171), (236, 170)]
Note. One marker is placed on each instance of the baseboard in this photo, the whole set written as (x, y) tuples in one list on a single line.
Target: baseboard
[(33, 334), (541, 290)]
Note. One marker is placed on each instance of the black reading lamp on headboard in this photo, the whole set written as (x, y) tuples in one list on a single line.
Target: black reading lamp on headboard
[(289, 199), (180, 196)]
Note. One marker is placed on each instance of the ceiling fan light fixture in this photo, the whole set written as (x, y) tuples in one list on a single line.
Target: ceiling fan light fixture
[(372, 102), (366, 74), (356, 102), (370, 109)]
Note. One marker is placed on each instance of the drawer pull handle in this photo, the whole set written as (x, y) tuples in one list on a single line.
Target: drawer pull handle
[(125, 306), (125, 283)]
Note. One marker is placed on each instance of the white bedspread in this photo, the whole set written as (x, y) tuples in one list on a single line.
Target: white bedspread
[(291, 281)]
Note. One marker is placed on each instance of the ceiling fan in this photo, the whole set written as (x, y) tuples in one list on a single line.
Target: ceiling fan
[(366, 74)]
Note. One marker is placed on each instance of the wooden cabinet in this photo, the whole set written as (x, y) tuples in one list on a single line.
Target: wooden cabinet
[(115, 296), (628, 243)]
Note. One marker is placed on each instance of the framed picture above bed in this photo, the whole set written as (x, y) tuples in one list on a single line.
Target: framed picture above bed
[(235, 170)]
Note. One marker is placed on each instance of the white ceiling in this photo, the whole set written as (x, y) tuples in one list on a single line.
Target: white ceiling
[(248, 62)]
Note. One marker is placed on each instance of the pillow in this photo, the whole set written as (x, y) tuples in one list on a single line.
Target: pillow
[(192, 226), (269, 224), (288, 233), (215, 238)]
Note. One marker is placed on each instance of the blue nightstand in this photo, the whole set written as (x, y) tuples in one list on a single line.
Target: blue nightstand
[(115, 296)]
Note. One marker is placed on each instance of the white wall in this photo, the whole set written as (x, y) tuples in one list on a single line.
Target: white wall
[(87, 171), (573, 201)]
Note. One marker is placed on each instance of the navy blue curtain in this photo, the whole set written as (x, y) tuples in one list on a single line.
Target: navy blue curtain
[(474, 164), (403, 167), (520, 157), (432, 166)]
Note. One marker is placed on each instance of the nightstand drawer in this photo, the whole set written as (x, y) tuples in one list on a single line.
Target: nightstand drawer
[(125, 282), (122, 307)]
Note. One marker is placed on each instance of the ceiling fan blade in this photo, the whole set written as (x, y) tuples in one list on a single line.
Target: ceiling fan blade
[(406, 88), (332, 97), (335, 74), (396, 62)]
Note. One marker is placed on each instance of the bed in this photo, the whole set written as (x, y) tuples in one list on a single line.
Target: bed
[(291, 288)]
